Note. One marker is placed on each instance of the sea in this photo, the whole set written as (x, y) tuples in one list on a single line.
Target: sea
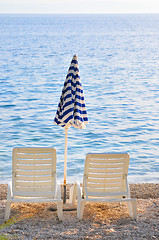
[(118, 56)]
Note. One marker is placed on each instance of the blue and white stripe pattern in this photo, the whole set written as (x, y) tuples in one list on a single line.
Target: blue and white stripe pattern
[(71, 109)]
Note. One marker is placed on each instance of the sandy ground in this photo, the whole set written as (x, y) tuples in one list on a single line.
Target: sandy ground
[(101, 221)]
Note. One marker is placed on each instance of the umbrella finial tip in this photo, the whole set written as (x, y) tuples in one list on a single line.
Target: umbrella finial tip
[(75, 57)]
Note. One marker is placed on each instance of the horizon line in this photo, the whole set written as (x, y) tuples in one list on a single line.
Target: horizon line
[(27, 13)]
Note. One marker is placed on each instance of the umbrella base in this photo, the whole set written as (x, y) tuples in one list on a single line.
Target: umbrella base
[(66, 207)]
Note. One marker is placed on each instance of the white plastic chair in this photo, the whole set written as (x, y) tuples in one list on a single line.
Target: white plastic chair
[(105, 180), (34, 178)]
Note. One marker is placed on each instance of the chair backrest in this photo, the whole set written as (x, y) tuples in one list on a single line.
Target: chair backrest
[(34, 172), (105, 175)]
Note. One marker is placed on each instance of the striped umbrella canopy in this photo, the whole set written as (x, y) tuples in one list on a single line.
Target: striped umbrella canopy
[(71, 109)]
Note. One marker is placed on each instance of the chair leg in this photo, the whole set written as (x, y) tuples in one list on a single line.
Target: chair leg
[(60, 210), (71, 194), (134, 208), (7, 211), (129, 205), (80, 209)]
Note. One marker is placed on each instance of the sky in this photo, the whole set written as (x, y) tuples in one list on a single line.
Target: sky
[(79, 6)]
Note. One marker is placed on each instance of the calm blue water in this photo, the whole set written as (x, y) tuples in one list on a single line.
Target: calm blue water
[(119, 69)]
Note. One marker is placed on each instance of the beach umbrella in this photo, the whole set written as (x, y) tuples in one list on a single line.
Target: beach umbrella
[(71, 109)]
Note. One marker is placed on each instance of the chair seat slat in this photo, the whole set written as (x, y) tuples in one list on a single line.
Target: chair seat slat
[(34, 167), (34, 156), (104, 180), (24, 192), (34, 184), (44, 161), (102, 191), (103, 185), (34, 173), (107, 166), (108, 161), (34, 178), (35, 150), (31, 190), (105, 175), (98, 170)]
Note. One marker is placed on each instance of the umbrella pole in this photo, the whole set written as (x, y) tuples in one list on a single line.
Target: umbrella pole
[(65, 165)]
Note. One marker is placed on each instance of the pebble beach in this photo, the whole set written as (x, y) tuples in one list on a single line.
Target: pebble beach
[(100, 221)]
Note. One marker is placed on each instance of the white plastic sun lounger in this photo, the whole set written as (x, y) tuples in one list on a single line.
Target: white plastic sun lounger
[(34, 178), (105, 180)]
